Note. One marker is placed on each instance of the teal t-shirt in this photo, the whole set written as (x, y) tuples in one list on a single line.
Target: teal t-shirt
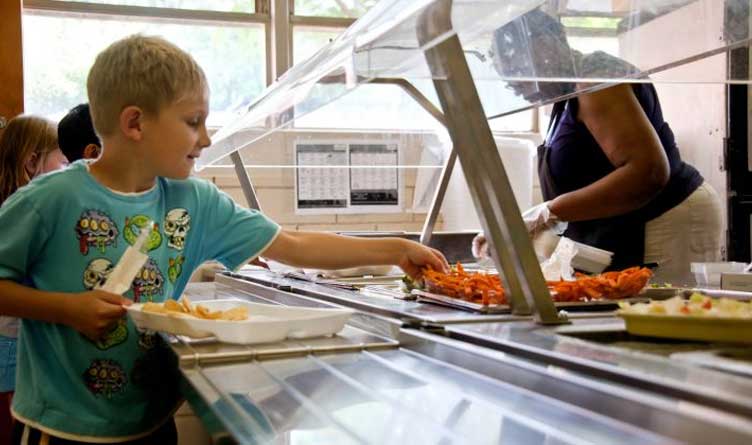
[(65, 232)]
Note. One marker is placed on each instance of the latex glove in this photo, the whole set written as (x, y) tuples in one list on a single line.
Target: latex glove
[(539, 218), (479, 247)]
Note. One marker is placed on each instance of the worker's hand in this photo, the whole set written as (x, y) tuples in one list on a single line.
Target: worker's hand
[(479, 247), (415, 256), (94, 313), (539, 218)]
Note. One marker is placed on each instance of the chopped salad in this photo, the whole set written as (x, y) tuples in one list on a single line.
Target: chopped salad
[(698, 305)]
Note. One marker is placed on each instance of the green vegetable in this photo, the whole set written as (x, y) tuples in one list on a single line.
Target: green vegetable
[(408, 284)]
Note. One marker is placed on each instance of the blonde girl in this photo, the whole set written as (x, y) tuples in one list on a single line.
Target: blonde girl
[(28, 148)]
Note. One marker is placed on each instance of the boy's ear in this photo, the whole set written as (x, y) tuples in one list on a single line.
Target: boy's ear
[(131, 122), (92, 151)]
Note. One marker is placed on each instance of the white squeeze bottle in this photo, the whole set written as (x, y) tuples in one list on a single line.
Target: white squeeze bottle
[(134, 258)]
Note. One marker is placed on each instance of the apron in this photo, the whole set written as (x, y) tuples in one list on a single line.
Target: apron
[(624, 235)]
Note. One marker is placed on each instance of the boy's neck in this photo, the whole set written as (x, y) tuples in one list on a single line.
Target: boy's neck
[(123, 174)]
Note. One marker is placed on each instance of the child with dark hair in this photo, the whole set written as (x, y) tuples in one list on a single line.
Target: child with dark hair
[(76, 135)]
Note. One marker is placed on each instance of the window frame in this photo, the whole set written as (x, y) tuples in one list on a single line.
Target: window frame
[(277, 16)]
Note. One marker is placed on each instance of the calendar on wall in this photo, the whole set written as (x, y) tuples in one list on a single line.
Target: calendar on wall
[(339, 177)]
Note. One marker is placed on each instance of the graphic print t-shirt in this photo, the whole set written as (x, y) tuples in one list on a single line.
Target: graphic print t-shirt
[(65, 232)]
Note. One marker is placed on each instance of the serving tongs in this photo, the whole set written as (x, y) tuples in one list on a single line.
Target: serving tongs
[(320, 281)]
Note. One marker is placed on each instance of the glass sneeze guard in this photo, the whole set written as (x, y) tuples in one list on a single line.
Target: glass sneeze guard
[(479, 59)]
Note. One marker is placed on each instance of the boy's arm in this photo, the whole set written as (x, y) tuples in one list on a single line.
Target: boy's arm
[(330, 251), (91, 313)]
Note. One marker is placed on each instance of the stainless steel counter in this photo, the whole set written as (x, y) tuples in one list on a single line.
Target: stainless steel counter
[(385, 380), (260, 281)]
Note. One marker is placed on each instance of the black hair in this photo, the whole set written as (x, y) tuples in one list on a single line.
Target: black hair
[(513, 43), (75, 131), (534, 45)]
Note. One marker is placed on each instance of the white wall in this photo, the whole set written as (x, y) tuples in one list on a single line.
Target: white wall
[(695, 112)]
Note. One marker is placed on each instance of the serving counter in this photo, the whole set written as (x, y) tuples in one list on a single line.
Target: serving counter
[(410, 372), (386, 379)]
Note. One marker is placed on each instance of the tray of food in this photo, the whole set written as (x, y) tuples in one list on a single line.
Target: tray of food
[(484, 292), (698, 317), (238, 321)]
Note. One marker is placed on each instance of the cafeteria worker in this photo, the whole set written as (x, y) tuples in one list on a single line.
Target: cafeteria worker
[(609, 166)]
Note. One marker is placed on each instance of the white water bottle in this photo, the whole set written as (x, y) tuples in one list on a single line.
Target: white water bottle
[(130, 264)]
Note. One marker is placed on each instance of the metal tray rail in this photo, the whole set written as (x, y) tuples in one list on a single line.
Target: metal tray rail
[(398, 396), (644, 371), (597, 305), (635, 405), (198, 352), (410, 312), (461, 383)]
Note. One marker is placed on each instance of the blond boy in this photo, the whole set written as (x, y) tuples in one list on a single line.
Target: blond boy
[(85, 373)]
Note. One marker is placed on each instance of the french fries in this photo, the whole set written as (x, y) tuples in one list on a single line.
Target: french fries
[(184, 308)]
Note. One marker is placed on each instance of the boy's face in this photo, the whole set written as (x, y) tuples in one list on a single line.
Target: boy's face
[(176, 136)]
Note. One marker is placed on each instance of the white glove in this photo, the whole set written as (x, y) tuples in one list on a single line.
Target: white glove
[(539, 218), (480, 247)]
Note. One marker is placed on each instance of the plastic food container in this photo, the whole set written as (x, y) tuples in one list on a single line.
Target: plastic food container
[(591, 259), (734, 330), (588, 258), (710, 273), (266, 322)]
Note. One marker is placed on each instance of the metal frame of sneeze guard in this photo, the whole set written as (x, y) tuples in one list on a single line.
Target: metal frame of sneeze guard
[(486, 178)]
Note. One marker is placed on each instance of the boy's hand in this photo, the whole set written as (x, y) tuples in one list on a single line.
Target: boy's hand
[(416, 256), (94, 313)]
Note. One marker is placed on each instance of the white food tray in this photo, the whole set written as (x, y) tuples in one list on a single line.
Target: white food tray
[(266, 323)]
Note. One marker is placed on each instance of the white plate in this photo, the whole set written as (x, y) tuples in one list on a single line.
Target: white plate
[(266, 322)]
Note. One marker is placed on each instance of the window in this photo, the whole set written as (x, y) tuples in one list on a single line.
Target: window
[(333, 8), (206, 5), (229, 40), (309, 39), (60, 47), (372, 107)]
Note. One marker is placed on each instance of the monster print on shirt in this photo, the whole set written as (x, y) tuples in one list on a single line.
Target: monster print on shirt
[(95, 228), (176, 268), (148, 283), (105, 378), (176, 226), (133, 228), (117, 335), (96, 273)]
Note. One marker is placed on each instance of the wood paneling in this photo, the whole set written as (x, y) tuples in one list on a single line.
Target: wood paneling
[(11, 69)]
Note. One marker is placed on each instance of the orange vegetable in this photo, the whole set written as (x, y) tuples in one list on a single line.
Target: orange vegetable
[(608, 285), (486, 289), (475, 287)]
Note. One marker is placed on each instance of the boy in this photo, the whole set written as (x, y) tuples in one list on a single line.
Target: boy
[(84, 373), (76, 136)]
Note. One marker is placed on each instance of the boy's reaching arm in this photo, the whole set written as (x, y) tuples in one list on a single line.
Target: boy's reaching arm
[(331, 251), (91, 313)]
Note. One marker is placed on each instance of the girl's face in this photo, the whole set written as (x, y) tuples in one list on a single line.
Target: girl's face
[(54, 160)]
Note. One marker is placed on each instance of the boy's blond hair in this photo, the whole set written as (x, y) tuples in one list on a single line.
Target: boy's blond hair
[(143, 71)]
